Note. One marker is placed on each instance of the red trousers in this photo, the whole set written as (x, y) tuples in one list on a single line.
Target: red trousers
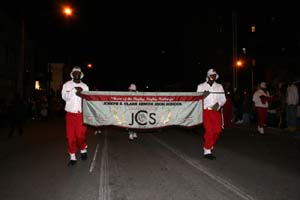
[(261, 116), (212, 127), (76, 132)]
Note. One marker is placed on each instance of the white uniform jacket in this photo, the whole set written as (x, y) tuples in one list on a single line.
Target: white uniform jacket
[(217, 94), (257, 100), (68, 93)]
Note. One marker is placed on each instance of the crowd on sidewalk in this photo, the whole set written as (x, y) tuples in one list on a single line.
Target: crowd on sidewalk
[(18, 110), (268, 105)]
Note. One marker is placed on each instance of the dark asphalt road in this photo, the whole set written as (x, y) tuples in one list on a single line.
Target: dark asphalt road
[(166, 164)]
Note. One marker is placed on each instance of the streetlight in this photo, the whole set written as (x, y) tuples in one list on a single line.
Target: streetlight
[(21, 66), (239, 64), (89, 65), (252, 73), (234, 50), (67, 11)]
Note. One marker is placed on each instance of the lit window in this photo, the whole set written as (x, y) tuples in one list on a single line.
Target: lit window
[(37, 85), (253, 29)]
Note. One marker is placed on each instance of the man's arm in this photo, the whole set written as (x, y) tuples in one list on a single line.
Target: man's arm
[(204, 92), (65, 93)]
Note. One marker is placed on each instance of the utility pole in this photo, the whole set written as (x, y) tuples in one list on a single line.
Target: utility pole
[(20, 78), (234, 51), (253, 63)]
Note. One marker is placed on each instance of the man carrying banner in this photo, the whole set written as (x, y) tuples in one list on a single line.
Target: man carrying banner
[(214, 99), (75, 129)]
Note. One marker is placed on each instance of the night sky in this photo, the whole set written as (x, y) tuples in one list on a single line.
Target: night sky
[(125, 43), (129, 42)]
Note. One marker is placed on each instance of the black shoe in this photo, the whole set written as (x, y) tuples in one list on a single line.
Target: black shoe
[(84, 156), (210, 156), (72, 162)]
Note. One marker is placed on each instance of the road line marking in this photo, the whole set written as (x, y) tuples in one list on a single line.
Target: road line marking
[(94, 159), (201, 168), (104, 190)]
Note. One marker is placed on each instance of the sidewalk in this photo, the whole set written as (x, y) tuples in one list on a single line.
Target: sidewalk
[(10, 145), (17, 142), (270, 130)]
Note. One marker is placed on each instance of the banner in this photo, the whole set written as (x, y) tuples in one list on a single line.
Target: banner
[(142, 110)]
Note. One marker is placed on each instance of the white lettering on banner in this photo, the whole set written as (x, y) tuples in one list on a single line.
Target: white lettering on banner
[(142, 109)]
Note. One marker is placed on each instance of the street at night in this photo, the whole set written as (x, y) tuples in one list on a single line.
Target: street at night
[(127, 101), (161, 164)]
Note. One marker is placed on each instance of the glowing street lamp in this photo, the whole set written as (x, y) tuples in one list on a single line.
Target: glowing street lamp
[(90, 66), (67, 11), (239, 64)]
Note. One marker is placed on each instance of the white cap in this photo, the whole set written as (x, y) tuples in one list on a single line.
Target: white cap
[(212, 72), (132, 87), (263, 85), (76, 69)]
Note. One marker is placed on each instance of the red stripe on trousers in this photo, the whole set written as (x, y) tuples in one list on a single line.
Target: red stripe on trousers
[(212, 127), (76, 132)]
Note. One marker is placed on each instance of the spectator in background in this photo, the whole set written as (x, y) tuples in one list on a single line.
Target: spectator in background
[(34, 108), (227, 111), (246, 108), (17, 112), (292, 100), (282, 87), (238, 107), (3, 112), (44, 108)]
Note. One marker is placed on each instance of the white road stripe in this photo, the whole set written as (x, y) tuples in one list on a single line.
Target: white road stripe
[(94, 159), (104, 191), (201, 168)]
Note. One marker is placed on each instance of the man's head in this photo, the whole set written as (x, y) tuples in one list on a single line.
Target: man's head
[(212, 75), (132, 87), (263, 85), (76, 73)]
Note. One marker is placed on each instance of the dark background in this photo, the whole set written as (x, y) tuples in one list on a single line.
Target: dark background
[(159, 43)]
